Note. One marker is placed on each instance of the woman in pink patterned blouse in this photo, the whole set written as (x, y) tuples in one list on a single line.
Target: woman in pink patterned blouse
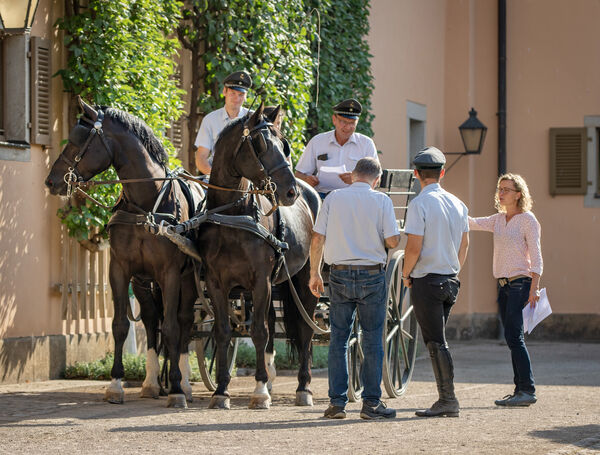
[(518, 266)]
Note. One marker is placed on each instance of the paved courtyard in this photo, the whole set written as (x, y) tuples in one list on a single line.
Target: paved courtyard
[(70, 416)]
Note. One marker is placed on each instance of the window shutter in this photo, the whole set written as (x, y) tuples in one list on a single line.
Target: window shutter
[(175, 133), (568, 161), (40, 91)]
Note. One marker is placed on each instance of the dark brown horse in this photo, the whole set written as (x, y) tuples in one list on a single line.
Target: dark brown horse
[(111, 137), (250, 151)]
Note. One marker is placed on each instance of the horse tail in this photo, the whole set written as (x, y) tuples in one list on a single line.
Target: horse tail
[(291, 316)]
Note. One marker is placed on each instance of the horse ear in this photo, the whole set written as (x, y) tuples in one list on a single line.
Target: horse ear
[(257, 114), (272, 116), (88, 110)]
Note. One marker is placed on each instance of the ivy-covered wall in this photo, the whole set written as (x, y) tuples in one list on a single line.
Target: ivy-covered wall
[(123, 54)]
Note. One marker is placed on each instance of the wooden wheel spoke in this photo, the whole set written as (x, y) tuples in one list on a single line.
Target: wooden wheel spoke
[(409, 310), (391, 333)]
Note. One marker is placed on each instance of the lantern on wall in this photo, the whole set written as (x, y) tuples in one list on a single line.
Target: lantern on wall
[(16, 16), (472, 132)]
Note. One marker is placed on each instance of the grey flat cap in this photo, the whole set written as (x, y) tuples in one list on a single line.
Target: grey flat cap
[(429, 158)]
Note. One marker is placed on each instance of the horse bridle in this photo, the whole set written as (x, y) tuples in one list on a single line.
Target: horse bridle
[(72, 176), (266, 183)]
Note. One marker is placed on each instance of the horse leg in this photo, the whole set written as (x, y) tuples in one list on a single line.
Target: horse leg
[(150, 312), (222, 333), (186, 321), (261, 298), (119, 283), (304, 340), (170, 286), (270, 351)]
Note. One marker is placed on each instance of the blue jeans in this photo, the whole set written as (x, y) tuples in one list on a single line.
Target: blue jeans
[(349, 291), (512, 298)]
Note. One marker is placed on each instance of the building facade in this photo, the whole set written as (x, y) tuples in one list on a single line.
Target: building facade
[(432, 61)]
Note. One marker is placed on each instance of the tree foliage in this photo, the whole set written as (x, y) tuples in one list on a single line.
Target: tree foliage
[(120, 55), (232, 35), (345, 69)]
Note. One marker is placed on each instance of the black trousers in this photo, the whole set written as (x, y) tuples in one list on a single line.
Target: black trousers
[(432, 297)]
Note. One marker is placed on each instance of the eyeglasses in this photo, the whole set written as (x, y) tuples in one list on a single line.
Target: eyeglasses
[(506, 190)]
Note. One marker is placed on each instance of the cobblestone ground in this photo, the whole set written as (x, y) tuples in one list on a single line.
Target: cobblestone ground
[(70, 416)]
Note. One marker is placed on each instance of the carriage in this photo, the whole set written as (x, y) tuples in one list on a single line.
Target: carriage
[(209, 299), (400, 331)]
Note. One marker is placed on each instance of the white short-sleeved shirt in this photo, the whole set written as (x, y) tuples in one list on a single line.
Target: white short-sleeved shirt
[(355, 221), (212, 124), (324, 150), (441, 218)]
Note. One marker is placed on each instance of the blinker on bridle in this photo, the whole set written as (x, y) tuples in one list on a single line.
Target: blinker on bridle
[(266, 172), (72, 175)]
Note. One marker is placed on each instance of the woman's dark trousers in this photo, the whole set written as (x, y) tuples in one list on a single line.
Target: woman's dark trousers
[(512, 298)]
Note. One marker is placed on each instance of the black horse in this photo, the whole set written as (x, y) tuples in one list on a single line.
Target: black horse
[(111, 137), (251, 151)]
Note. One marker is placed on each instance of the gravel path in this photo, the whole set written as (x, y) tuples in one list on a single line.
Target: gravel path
[(70, 416)]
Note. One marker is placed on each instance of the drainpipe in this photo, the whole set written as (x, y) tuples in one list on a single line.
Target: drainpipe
[(501, 87)]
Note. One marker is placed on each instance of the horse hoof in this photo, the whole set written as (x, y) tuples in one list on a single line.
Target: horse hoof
[(188, 395), (260, 402), (149, 391), (304, 398), (219, 402), (115, 397), (176, 400)]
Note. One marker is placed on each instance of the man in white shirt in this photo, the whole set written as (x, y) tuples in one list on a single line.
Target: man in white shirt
[(353, 228), (329, 158), (437, 227), (235, 88)]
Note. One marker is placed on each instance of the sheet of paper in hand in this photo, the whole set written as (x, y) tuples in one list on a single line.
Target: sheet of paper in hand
[(329, 177), (533, 316)]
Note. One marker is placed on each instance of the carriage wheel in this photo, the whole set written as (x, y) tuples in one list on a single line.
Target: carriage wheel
[(355, 362), (206, 353), (400, 331)]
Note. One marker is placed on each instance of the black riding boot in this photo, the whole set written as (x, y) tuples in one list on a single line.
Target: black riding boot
[(443, 369)]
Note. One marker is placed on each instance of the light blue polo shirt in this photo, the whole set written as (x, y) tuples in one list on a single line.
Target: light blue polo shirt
[(355, 221), (441, 218), (211, 126), (324, 150)]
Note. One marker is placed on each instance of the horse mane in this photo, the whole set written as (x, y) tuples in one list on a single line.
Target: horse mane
[(139, 129), (237, 121)]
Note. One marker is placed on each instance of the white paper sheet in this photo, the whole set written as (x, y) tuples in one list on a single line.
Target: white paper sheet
[(533, 316), (329, 177)]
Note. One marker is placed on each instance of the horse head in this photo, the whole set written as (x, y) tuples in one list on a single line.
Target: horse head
[(86, 154), (262, 157)]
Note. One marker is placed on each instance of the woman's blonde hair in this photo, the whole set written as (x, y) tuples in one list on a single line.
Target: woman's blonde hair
[(525, 202)]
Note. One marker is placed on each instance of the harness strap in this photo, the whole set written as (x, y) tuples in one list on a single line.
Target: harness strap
[(248, 224), (301, 308)]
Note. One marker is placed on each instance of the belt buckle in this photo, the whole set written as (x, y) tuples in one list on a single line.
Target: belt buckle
[(503, 281)]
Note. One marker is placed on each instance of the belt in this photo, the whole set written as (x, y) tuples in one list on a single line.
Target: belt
[(505, 281), (356, 267)]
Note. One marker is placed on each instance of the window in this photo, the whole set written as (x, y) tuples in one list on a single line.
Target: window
[(592, 196), (25, 76)]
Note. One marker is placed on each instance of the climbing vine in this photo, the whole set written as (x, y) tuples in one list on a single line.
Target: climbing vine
[(120, 55)]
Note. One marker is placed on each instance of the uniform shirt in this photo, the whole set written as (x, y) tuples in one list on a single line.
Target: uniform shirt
[(212, 124), (517, 249), (441, 218), (324, 150), (355, 221)]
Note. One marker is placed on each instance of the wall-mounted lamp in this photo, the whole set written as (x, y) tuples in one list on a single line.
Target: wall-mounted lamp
[(16, 16), (472, 132)]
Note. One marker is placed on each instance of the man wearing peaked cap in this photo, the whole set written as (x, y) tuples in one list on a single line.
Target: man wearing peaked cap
[(235, 88), (437, 229), (329, 158)]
